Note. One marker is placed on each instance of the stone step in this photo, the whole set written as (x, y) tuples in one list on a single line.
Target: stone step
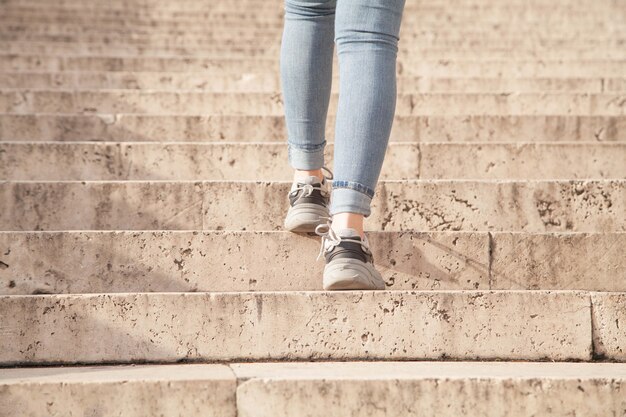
[(131, 391), (243, 31), (54, 161), (460, 16), (377, 389), (177, 261), (218, 51), (409, 67), (270, 83), (276, 7), (445, 389), (544, 47), (425, 205), (464, 128), (411, 22), (353, 325), (448, 389), (602, 41), (201, 103)]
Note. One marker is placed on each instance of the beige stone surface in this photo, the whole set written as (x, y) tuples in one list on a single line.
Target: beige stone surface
[(241, 32), (268, 161), (269, 82), (431, 389), (295, 325), (558, 261), (377, 371), (114, 262), (201, 103), (486, 388), (101, 206), (521, 161), (448, 205), (128, 127), (134, 391), (536, 206), (609, 328), (176, 161), (405, 50)]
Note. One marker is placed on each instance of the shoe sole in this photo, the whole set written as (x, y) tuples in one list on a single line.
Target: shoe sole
[(351, 274), (305, 217)]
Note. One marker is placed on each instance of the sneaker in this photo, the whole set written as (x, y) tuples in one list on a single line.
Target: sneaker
[(308, 203), (349, 260)]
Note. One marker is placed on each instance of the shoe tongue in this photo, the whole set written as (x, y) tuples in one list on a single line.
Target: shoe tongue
[(349, 233)]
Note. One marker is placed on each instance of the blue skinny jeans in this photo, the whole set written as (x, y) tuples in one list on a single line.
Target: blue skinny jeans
[(366, 33)]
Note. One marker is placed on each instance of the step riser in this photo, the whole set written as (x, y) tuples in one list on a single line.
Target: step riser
[(185, 41), (275, 9), (232, 326), (413, 24), (407, 67), (437, 398), (156, 103), (268, 83), (296, 389), (609, 316), (584, 206), (240, 162), (229, 52), (240, 32), (141, 391), (272, 128), (118, 262)]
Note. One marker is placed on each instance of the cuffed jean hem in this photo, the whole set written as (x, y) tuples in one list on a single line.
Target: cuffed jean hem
[(308, 158), (349, 200)]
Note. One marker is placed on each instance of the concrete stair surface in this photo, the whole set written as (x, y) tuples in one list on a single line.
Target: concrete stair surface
[(373, 388), (144, 269)]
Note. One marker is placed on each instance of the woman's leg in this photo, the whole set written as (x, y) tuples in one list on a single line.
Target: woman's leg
[(367, 35), (306, 60)]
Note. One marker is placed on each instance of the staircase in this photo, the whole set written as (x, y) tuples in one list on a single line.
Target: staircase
[(143, 182)]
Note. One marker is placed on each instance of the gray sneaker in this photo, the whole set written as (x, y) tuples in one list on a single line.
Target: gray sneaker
[(308, 203), (349, 261)]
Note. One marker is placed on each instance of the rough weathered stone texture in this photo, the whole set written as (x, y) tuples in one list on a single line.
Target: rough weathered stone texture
[(201, 103), (431, 389), (410, 64), (558, 261), (217, 50), (535, 206), (113, 262), (134, 391), (101, 206), (270, 82), (180, 161), (522, 161), (248, 162), (591, 206), (129, 127), (321, 325), (609, 325)]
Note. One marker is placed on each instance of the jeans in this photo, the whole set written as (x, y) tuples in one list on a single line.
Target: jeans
[(366, 33)]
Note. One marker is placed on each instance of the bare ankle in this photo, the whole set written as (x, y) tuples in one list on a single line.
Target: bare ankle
[(348, 220), (301, 174)]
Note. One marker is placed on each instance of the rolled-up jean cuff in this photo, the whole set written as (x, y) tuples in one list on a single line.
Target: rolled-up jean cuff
[(344, 200), (308, 158)]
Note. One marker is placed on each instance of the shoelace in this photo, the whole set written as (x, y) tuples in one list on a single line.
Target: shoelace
[(330, 236), (307, 189)]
